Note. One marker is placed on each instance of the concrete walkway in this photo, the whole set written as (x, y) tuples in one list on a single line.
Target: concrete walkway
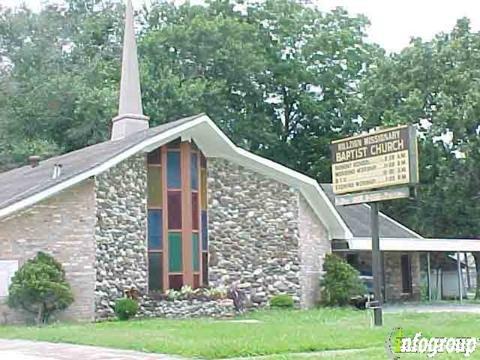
[(433, 308), (33, 350)]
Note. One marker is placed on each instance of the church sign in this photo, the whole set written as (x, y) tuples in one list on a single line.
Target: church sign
[(377, 160)]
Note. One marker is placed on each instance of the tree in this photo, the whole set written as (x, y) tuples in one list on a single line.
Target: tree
[(434, 85), (40, 288), (340, 283)]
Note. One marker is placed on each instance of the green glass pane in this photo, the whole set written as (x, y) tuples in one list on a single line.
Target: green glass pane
[(155, 186), (195, 252), (174, 252)]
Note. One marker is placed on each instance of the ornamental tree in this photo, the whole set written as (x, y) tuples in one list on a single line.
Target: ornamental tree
[(40, 288)]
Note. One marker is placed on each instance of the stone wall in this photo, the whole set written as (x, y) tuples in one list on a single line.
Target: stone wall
[(62, 226), (253, 232), (393, 277), (314, 245), (121, 233), (393, 274)]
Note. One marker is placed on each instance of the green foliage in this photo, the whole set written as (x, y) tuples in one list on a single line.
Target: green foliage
[(340, 283), (126, 308), (283, 301), (40, 288)]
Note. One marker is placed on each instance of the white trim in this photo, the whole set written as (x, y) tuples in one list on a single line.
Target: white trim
[(309, 188), (416, 244)]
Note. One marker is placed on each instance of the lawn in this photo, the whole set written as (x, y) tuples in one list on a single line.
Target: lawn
[(277, 333)]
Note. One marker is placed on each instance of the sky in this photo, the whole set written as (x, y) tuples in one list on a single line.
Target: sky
[(393, 22)]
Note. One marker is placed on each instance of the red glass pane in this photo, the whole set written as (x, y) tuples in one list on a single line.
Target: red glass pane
[(174, 210), (195, 213), (175, 281), (196, 281), (205, 268)]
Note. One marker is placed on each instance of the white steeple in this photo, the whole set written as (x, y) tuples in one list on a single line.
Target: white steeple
[(130, 118)]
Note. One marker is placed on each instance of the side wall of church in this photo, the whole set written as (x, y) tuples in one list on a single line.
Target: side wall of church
[(62, 226)]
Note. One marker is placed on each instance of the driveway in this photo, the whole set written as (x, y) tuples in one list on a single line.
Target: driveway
[(433, 308), (33, 350)]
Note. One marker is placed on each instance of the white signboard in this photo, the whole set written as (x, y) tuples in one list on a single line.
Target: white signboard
[(7, 270)]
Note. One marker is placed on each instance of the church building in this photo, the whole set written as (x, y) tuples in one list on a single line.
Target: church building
[(180, 204)]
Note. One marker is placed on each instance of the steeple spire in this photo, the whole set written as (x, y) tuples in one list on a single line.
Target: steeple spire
[(130, 118)]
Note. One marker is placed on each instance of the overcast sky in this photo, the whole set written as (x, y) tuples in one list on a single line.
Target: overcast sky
[(394, 22)]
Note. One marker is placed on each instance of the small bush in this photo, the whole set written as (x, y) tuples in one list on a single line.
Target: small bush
[(281, 301), (40, 288), (126, 308), (340, 282)]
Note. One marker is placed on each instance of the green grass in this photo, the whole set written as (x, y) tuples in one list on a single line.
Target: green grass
[(278, 334)]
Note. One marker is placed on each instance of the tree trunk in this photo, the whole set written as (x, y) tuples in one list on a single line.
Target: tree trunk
[(476, 256)]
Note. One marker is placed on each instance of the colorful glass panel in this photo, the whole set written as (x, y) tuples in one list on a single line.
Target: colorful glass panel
[(154, 186), (194, 171), (205, 268), (203, 161), (173, 170), (175, 281), (155, 229), (175, 252), (195, 214), (174, 210), (154, 157), (195, 252), (155, 271), (203, 187), (196, 281), (204, 231)]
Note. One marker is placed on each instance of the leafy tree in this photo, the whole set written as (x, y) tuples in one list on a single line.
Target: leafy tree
[(40, 288), (340, 283), (434, 85)]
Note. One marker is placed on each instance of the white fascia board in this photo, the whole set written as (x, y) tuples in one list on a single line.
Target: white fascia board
[(309, 188), (416, 244), (163, 137)]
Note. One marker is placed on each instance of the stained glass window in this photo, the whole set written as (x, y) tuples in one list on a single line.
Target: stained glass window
[(176, 281), (173, 170), (175, 252), (154, 157), (195, 214), (204, 231), (203, 187), (154, 186), (174, 210), (155, 229), (205, 268), (194, 171), (195, 252), (155, 271)]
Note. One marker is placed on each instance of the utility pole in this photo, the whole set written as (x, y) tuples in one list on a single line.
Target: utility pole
[(376, 264)]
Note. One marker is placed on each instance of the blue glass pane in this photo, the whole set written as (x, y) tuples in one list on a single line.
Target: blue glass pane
[(194, 171), (173, 170), (204, 231), (155, 229)]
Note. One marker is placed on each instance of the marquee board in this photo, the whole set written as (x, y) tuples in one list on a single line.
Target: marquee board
[(379, 160)]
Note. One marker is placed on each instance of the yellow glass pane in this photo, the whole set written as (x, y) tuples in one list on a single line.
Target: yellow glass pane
[(154, 186)]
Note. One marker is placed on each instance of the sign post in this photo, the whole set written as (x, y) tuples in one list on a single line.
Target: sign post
[(371, 168)]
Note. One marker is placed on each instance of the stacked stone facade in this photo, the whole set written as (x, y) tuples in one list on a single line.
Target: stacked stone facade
[(121, 232), (255, 238), (63, 227)]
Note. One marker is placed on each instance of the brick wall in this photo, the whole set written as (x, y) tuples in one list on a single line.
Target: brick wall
[(314, 245), (62, 226)]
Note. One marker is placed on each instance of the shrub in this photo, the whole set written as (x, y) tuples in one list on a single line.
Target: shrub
[(39, 287), (126, 308), (340, 282), (281, 301)]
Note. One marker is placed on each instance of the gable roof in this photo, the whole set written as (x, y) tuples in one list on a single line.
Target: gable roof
[(357, 219), (26, 186)]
